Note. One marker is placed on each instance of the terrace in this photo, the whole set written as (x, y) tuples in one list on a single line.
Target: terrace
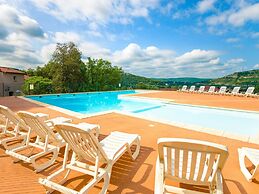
[(137, 176)]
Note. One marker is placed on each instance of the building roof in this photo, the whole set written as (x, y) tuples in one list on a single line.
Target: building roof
[(10, 70)]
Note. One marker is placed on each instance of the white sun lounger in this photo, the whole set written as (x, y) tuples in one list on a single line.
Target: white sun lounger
[(222, 90), (192, 89), (211, 90), (86, 148), (253, 156), (201, 89), (19, 132), (234, 92), (249, 92), (191, 162), (47, 141), (184, 89)]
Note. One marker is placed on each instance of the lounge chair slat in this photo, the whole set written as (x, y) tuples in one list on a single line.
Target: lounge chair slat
[(185, 162), (169, 160), (193, 164), (201, 165), (176, 162)]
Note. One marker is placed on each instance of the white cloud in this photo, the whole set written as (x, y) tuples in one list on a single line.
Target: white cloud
[(154, 62), (97, 11), (236, 17), (249, 13), (236, 61), (14, 21), (232, 40), (204, 6), (19, 35), (256, 66), (64, 37)]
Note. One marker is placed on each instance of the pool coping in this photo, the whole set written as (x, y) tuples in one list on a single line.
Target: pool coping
[(218, 132)]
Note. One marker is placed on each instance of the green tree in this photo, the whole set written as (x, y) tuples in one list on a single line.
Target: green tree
[(101, 75), (41, 85), (66, 69)]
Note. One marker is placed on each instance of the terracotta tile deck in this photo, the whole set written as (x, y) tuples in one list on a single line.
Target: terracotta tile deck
[(235, 102), (128, 176)]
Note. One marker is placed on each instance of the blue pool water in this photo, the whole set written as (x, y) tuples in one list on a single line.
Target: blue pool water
[(238, 122), (94, 102)]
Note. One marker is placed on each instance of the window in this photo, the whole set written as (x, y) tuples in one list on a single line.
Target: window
[(14, 78)]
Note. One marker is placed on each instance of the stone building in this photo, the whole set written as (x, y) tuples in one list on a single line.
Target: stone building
[(11, 81)]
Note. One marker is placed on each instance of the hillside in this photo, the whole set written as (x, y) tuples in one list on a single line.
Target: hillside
[(183, 80), (134, 81), (239, 78), (243, 79)]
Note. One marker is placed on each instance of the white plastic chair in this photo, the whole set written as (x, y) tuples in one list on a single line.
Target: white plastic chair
[(201, 89), (19, 132), (191, 162), (249, 92), (253, 156), (47, 141), (192, 89), (86, 148), (235, 91), (184, 89), (211, 90), (222, 90)]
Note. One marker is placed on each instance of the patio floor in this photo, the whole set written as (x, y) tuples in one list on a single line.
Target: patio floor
[(129, 176)]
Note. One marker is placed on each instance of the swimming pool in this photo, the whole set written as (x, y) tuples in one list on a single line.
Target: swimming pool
[(241, 123), (235, 122), (94, 102)]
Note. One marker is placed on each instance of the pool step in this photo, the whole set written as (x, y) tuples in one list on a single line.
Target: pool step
[(146, 109)]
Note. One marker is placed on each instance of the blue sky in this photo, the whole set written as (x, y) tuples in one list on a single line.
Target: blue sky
[(152, 38)]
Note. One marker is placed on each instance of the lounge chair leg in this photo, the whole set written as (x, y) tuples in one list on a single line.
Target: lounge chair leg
[(39, 168), (136, 153), (243, 168), (106, 183), (61, 182)]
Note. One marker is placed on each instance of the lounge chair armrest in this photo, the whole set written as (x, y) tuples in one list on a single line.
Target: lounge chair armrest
[(50, 123)]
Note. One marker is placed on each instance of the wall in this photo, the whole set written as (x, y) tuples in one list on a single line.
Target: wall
[(10, 83)]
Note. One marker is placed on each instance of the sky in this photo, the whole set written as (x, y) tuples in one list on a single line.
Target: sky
[(152, 38)]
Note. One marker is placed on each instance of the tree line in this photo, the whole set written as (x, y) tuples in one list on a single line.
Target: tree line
[(66, 72)]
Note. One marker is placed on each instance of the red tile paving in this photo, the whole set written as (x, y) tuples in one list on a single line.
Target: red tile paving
[(236, 102), (128, 176)]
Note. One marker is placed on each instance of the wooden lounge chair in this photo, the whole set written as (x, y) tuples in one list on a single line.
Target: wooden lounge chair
[(222, 90), (86, 148), (201, 89), (253, 156), (184, 89), (19, 132), (249, 92), (47, 141), (211, 90), (192, 89), (234, 92), (191, 162)]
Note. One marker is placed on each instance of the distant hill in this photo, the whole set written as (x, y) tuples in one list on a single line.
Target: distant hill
[(183, 80), (134, 81), (245, 78)]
